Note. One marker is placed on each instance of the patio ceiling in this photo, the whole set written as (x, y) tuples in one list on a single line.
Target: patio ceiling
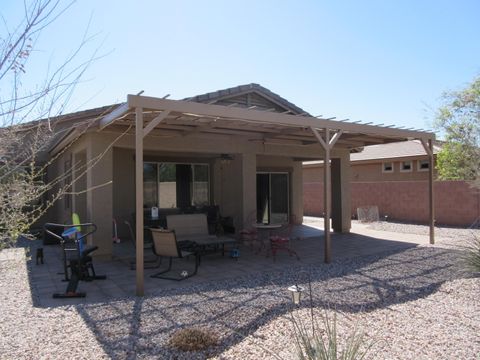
[(180, 118)]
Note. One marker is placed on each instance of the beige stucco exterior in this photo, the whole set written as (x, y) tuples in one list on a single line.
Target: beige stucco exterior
[(111, 180), (372, 171)]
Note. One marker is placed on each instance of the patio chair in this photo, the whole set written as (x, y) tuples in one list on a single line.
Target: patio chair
[(165, 245), (148, 262), (281, 240)]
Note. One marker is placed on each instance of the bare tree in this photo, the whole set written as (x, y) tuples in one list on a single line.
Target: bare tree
[(28, 118)]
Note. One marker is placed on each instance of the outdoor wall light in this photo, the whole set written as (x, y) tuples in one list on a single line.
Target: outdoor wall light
[(296, 293), (226, 159)]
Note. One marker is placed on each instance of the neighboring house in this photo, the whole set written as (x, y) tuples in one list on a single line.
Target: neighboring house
[(394, 177), (240, 148), (398, 161)]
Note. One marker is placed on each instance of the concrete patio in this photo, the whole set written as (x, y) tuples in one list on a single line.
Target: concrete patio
[(308, 243)]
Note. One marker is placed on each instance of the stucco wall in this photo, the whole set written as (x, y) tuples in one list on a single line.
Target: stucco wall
[(233, 186), (123, 189), (226, 182), (60, 212), (456, 203), (372, 171)]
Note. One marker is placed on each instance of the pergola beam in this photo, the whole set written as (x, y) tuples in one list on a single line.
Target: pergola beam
[(319, 138), (334, 139), (156, 121), (259, 116)]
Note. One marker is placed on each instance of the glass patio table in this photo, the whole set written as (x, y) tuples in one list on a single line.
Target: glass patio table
[(206, 241), (264, 233)]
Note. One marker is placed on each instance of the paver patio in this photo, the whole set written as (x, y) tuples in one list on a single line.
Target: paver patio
[(47, 279)]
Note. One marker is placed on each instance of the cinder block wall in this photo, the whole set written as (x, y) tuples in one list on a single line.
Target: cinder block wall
[(456, 204)]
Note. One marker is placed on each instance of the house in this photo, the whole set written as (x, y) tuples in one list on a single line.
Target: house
[(394, 177), (398, 161), (240, 148)]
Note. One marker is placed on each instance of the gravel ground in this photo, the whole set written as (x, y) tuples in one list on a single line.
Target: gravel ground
[(27, 332), (413, 304), (446, 236)]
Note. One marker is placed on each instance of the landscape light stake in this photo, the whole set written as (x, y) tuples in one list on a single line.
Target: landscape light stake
[(296, 293)]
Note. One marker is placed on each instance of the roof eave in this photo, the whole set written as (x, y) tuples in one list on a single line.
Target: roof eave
[(119, 111), (62, 141)]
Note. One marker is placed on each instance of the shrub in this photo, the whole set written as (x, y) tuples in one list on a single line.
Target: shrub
[(312, 344), (471, 256), (192, 339)]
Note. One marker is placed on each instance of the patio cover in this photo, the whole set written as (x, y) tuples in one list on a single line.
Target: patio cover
[(161, 117)]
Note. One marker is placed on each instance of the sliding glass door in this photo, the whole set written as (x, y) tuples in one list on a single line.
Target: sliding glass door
[(272, 198)]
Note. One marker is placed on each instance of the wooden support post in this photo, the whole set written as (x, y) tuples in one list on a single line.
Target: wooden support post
[(327, 197), (139, 199), (431, 166), (327, 145), (431, 206)]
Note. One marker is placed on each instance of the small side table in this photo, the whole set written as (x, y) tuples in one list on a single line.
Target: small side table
[(264, 232)]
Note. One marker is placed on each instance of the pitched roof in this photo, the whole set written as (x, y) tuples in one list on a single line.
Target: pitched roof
[(234, 95), (250, 95), (392, 150), (219, 97)]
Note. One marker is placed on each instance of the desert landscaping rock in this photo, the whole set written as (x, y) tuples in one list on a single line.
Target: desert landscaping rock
[(413, 304)]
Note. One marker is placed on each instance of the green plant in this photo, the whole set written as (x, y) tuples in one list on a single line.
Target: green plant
[(192, 339), (471, 256), (314, 343), (459, 120)]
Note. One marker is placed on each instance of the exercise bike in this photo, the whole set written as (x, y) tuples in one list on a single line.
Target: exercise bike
[(77, 261)]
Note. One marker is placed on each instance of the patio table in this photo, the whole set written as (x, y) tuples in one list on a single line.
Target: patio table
[(204, 241), (264, 232)]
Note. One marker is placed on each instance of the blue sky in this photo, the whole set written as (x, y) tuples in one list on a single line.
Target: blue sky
[(380, 61)]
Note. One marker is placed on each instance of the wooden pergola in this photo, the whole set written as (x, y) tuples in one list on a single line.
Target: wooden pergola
[(169, 118)]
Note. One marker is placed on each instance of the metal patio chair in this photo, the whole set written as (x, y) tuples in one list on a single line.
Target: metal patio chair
[(149, 262), (165, 245), (281, 240)]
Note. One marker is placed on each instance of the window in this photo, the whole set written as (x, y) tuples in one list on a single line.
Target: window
[(387, 167), (167, 186), (173, 185), (150, 185), (200, 185), (423, 165), (406, 166)]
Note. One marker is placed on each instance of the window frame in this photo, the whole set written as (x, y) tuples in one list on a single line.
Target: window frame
[(406, 170), (192, 164), (419, 168), (392, 170)]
